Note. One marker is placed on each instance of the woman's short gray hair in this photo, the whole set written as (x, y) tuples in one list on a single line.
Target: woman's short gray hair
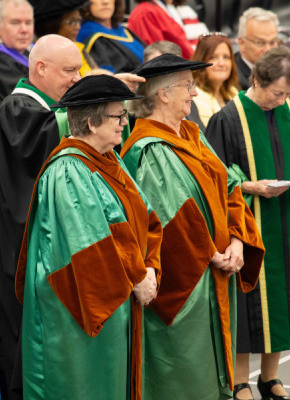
[(272, 65), (79, 116), (144, 107)]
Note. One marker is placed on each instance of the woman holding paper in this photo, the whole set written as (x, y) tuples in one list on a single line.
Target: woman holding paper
[(251, 134)]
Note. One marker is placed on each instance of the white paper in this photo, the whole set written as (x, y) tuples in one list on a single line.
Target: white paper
[(279, 184)]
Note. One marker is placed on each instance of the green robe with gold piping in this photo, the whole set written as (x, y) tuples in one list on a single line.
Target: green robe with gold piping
[(190, 330), (89, 237), (259, 143)]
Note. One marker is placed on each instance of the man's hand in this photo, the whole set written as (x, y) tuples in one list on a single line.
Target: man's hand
[(131, 80)]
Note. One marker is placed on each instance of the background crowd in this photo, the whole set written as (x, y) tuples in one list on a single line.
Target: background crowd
[(205, 136)]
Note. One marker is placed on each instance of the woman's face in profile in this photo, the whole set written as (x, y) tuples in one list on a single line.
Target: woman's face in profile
[(70, 25), (222, 64), (179, 95), (102, 11)]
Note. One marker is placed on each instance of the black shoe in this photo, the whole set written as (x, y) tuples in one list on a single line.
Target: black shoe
[(265, 388), (239, 387)]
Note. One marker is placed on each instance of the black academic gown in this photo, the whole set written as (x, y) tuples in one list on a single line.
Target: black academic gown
[(244, 72), (195, 117), (112, 52), (28, 133), (10, 73), (225, 133)]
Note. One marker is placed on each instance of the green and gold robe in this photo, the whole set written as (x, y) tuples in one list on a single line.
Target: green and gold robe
[(258, 142), (90, 235)]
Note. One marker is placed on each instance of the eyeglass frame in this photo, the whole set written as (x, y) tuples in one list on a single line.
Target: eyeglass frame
[(188, 85), (72, 22), (261, 43), (121, 116)]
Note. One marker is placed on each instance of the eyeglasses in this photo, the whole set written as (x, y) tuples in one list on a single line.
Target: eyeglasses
[(188, 85), (209, 34), (262, 43), (73, 22), (121, 117)]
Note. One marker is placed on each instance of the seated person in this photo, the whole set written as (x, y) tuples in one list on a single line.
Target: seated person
[(217, 84), (152, 21), (16, 34), (161, 47), (188, 20), (112, 46)]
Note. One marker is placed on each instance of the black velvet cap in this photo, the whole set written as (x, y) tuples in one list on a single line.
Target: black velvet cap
[(45, 9), (95, 89), (167, 64)]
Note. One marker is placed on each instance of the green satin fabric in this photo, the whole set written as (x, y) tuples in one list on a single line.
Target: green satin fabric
[(75, 209), (186, 360), (240, 177), (62, 123)]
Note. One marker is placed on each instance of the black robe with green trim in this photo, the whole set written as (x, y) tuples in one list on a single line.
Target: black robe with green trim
[(264, 313)]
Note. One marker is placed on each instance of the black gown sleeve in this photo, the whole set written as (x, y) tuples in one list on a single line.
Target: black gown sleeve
[(28, 134), (217, 134), (194, 116), (113, 55), (224, 132)]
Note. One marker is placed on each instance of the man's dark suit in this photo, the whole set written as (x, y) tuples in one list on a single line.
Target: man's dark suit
[(244, 72)]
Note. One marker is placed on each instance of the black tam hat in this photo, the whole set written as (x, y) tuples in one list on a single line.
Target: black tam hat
[(167, 64), (95, 89)]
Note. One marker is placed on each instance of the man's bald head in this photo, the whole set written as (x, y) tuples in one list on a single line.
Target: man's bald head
[(49, 47), (54, 63)]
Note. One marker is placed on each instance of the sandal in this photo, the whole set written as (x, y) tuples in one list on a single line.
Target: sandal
[(241, 386), (265, 389)]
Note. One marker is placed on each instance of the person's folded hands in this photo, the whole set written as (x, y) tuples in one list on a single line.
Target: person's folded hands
[(145, 291)]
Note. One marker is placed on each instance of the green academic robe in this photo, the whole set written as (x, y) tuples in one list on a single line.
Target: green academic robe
[(84, 249), (190, 331)]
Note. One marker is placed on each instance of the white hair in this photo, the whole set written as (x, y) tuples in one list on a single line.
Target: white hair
[(144, 107), (257, 13), (17, 3)]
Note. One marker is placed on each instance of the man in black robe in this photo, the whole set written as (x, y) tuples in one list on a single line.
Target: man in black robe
[(258, 30), (29, 131), (16, 33)]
